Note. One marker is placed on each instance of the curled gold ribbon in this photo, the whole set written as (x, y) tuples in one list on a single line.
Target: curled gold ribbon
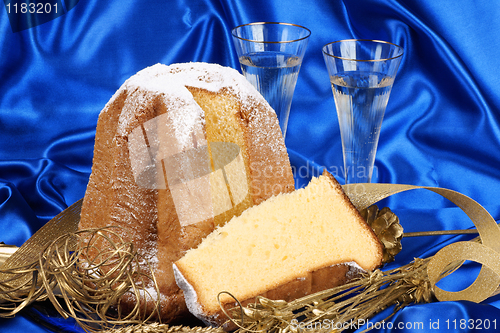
[(63, 223), (362, 196), (487, 253)]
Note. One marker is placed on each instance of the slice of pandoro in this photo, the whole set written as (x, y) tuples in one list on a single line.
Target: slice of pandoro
[(287, 247)]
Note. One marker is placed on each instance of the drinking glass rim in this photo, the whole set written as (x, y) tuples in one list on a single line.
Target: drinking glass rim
[(363, 40), (271, 42)]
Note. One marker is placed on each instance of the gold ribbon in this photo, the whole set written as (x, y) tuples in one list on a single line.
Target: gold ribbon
[(63, 223), (362, 196), (487, 253)]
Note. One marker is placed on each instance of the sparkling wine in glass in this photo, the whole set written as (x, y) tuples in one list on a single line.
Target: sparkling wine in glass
[(362, 73), (270, 55)]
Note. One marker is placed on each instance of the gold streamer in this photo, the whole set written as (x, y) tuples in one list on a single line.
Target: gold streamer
[(488, 280), (62, 224), (20, 284), (6, 251), (163, 328), (22, 289), (337, 309)]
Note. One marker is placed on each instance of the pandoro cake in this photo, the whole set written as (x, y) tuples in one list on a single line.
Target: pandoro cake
[(181, 149), (287, 247)]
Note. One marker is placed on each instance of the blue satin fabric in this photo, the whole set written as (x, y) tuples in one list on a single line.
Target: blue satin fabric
[(441, 128)]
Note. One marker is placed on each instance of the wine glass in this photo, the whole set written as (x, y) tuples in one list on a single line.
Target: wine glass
[(362, 73), (270, 55)]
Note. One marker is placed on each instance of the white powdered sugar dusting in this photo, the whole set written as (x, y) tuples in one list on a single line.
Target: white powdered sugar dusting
[(212, 77), (191, 297), (164, 89), (183, 110), (262, 119), (171, 82), (354, 269)]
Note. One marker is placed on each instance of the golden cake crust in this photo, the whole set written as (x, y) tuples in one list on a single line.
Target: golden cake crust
[(148, 215), (316, 281), (324, 277)]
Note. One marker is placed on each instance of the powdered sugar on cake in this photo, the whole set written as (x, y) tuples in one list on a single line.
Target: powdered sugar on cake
[(211, 77), (171, 81), (153, 125), (179, 101), (191, 299)]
